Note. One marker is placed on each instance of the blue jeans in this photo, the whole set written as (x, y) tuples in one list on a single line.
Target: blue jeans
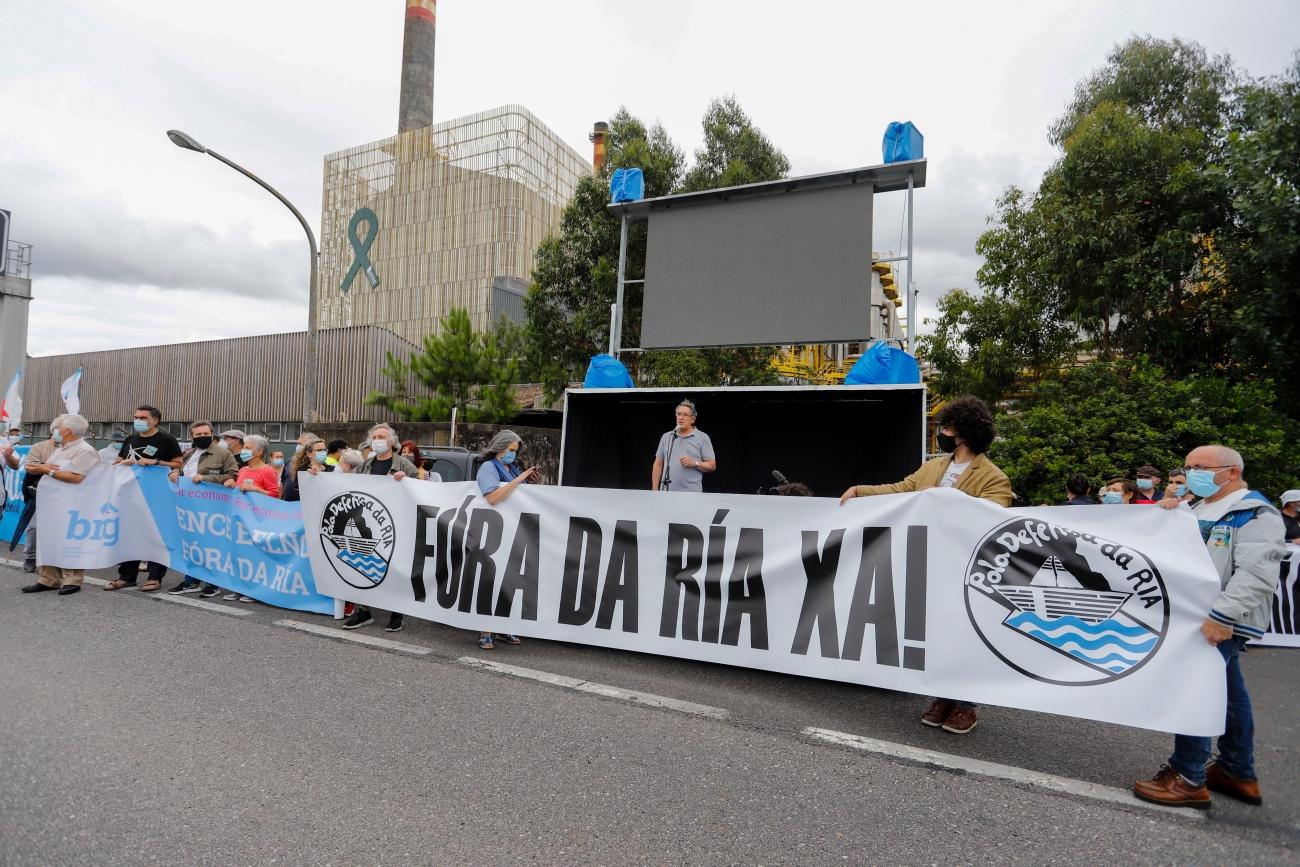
[(1237, 743)]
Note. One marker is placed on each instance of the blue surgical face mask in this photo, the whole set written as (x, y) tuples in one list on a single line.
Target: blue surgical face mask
[(1145, 484), (320, 456), (1112, 498), (140, 425), (246, 455), (508, 458), (277, 462), (1202, 483), (1180, 490), (57, 435)]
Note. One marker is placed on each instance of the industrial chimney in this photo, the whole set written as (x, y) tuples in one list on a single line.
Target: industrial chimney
[(415, 106), (599, 132), (597, 137)]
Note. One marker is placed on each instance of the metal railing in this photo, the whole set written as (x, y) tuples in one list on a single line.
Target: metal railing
[(18, 260)]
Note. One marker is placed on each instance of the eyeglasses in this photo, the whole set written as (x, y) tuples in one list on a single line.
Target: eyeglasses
[(1186, 470)]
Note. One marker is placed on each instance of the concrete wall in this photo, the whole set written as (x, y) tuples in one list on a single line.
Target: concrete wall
[(15, 298)]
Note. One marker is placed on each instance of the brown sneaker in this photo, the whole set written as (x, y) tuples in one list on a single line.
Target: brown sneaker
[(1219, 780), (1169, 788), (938, 712), (960, 721)]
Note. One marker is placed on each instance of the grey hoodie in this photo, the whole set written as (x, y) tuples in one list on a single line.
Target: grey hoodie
[(1246, 547)]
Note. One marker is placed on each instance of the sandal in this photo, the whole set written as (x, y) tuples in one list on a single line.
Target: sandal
[(118, 584), (485, 642), (509, 638), (150, 586)]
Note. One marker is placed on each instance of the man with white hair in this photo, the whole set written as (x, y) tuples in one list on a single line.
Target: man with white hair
[(1243, 533), (69, 463), (38, 453), (383, 461)]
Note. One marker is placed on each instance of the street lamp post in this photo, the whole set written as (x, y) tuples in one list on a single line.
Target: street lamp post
[(182, 140)]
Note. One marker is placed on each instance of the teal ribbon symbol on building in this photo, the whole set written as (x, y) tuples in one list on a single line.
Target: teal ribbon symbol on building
[(361, 248)]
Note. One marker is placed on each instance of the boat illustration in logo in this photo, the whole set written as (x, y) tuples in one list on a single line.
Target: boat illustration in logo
[(357, 534), (1083, 623), (1098, 604), (358, 551)]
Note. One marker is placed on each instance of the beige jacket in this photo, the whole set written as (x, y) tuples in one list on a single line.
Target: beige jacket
[(982, 479)]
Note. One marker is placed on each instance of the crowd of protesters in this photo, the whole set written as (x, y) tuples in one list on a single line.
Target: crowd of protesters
[(1243, 531)]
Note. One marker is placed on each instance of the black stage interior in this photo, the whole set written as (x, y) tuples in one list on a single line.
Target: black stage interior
[(828, 437)]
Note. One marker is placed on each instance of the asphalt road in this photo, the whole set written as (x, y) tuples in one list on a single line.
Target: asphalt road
[(134, 731)]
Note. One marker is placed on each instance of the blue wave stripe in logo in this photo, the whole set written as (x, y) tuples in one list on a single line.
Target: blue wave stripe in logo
[(1098, 644), (370, 565), (1050, 625)]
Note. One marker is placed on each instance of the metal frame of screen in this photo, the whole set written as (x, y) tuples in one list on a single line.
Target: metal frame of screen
[(797, 284)]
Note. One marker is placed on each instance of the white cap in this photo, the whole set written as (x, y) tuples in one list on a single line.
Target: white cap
[(1291, 496)]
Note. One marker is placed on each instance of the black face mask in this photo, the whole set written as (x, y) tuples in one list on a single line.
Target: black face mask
[(946, 443), (202, 442)]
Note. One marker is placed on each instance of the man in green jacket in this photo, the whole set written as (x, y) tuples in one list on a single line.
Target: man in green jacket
[(965, 433)]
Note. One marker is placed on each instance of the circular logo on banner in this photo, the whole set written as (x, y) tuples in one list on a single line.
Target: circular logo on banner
[(357, 534), (1065, 607)]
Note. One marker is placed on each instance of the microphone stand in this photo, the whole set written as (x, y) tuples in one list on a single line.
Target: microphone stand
[(668, 464)]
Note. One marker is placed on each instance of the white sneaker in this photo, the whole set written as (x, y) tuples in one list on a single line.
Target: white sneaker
[(231, 597), (247, 599)]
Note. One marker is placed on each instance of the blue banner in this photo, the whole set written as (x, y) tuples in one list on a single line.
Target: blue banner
[(244, 542), (13, 499)]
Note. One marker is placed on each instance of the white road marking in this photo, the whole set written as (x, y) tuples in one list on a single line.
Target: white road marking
[(206, 606), (646, 698), (368, 640), (1050, 782)]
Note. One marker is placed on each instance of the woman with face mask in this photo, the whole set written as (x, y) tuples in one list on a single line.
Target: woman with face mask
[(256, 475), (311, 459), (499, 475), (411, 452), (1119, 492)]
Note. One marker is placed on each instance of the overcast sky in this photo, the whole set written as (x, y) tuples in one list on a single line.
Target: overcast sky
[(138, 242)]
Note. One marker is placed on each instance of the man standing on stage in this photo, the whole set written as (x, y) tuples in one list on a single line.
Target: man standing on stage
[(684, 455)]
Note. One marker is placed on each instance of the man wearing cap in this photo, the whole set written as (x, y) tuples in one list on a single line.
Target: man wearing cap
[(1291, 516), (1148, 483), (233, 440)]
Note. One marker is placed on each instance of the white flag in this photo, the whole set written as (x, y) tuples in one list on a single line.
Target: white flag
[(70, 391), (11, 408)]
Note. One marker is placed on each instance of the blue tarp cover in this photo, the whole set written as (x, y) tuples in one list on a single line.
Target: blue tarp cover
[(626, 185), (606, 371), (903, 141), (884, 364)]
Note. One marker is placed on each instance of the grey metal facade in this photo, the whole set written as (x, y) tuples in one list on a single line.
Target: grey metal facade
[(245, 382)]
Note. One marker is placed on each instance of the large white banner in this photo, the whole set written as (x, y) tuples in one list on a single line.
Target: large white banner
[(99, 522), (1284, 625), (1087, 611)]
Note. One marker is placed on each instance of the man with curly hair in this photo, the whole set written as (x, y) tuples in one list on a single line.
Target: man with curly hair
[(965, 434)]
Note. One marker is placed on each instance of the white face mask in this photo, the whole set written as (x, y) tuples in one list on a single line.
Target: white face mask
[(380, 446), (14, 439)]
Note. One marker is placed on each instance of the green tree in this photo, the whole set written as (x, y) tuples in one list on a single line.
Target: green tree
[(1113, 240), (734, 152), (472, 371), (984, 344), (574, 278), (1261, 249), (1105, 419)]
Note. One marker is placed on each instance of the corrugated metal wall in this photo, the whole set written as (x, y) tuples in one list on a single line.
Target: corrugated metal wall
[(245, 378)]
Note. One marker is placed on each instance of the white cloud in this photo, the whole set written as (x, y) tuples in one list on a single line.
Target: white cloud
[(115, 212)]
